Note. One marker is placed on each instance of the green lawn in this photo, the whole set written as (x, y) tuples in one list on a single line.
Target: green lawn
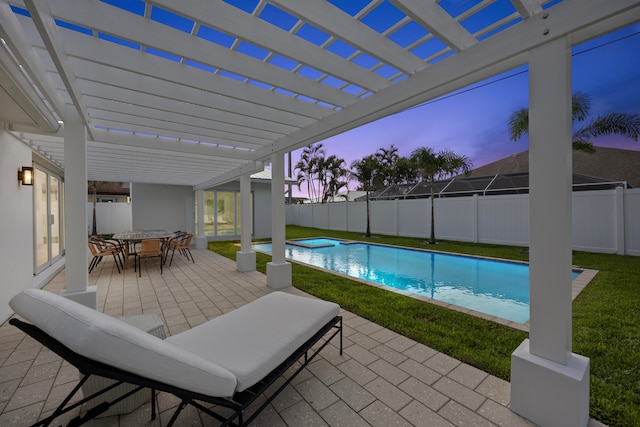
[(605, 318)]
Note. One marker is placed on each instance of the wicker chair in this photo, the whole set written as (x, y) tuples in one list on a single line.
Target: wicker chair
[(101, 248), (148, 248), (181, 243)]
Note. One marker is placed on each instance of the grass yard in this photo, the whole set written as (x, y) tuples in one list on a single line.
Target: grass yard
[(606, 317)]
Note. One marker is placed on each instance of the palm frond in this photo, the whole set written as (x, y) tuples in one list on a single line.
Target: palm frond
[(625, 124), (580, 106), (584, 146), (519, 123)]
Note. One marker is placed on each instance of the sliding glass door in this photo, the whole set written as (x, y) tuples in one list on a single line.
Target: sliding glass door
[(47, 203), (221, 213)]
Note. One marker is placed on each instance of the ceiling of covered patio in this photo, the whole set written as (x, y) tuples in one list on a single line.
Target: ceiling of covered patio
[(199, 92)]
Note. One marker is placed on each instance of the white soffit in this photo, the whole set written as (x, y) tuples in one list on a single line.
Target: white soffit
[(196, 92)]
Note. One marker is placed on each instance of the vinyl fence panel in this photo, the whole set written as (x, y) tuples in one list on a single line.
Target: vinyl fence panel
[(603, 221)]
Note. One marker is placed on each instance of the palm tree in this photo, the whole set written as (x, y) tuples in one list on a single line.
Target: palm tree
[(334, 174), (387, 158), (406, 171), (364, 171), (307, 168), (625, 124), (440, 164)]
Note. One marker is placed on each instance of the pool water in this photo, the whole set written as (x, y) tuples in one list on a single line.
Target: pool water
[(497, 288)]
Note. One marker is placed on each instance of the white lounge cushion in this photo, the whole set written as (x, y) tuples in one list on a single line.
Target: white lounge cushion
[(105, 339), (254, 339)]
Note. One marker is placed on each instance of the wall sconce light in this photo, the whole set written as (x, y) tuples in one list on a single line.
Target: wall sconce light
[(25, 176)]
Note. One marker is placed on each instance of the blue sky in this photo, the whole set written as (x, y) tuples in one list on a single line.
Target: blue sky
[(473, 121)]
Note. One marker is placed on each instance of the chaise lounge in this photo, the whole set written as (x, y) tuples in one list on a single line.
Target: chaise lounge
[(229, 361)]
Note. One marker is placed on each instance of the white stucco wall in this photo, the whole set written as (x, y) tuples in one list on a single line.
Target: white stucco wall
[(162, 207), (16, 223)]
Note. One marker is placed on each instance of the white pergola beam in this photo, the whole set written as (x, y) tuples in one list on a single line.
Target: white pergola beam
[(507, 50), (431, 16), (97, 105), (91, 72), (247, 168), (527, 8), (335, 22), (174, 148), (114, 56), (48, 29), (231, 20), (122, 96), (175, 130), (103, 18), (14, 35)]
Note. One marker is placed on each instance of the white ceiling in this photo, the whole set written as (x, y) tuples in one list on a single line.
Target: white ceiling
[(196, 92)]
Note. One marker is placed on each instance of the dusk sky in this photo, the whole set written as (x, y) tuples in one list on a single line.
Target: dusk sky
[(473, 121)]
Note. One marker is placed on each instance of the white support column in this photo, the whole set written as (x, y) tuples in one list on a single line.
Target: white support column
[(245, 257), (619, 209), (278, 270), (76, 227), (201, 240), (474, 221), (549, 383)]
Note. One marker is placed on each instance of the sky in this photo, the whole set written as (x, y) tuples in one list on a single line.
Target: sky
[(473, 120)]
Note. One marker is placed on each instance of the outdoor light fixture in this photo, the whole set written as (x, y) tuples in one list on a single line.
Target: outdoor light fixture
[(25, 176)]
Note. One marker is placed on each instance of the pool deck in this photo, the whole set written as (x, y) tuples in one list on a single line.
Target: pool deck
[(382, 379)]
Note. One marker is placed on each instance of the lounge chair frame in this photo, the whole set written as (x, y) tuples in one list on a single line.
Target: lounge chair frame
[(239, 403)]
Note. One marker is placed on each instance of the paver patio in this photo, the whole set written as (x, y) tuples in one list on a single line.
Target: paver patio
[(382, 379)]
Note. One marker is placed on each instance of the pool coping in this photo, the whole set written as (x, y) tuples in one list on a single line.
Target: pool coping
[(577, 285)]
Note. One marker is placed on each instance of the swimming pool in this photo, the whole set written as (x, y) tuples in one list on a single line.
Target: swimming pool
[(498, 288)]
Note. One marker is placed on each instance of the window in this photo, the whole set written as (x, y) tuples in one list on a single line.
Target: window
[(221, 213)]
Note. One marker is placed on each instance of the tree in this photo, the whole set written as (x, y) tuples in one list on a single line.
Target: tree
[(334, 174), (387, 160), (625, 124), (440, 164), (307, 168), (325, 176), (406, 171), (364, 171)]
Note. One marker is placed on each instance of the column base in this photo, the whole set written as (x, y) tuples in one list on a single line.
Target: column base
[(549, 393), (201, 242), (279, 275), (245, 261), (88, 297)]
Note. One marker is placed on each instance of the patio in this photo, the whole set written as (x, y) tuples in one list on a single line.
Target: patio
[(381, 379)]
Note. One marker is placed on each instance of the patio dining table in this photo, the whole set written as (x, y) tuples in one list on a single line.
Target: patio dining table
[(133, 236)]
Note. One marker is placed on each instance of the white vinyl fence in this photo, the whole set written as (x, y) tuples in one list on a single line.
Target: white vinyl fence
[(605, 221), (110, 217)]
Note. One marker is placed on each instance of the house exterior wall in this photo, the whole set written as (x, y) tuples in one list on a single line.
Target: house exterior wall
[(162, 207), (605, 221), (16, 222)]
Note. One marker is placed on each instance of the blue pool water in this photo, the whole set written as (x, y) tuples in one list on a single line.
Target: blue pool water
[(498, 288)]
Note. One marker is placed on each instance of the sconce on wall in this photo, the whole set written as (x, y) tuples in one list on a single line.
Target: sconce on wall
[(25, 176)]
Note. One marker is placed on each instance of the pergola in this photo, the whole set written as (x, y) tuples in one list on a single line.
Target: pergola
[(200, 93)]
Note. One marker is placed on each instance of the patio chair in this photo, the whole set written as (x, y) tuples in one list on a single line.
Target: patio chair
[(181, 243), (99, 249), (242, 359), (148, 248)]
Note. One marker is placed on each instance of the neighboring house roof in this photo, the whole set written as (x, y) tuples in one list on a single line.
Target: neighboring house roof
[(602, 170), (265, 175), (612, 164)]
